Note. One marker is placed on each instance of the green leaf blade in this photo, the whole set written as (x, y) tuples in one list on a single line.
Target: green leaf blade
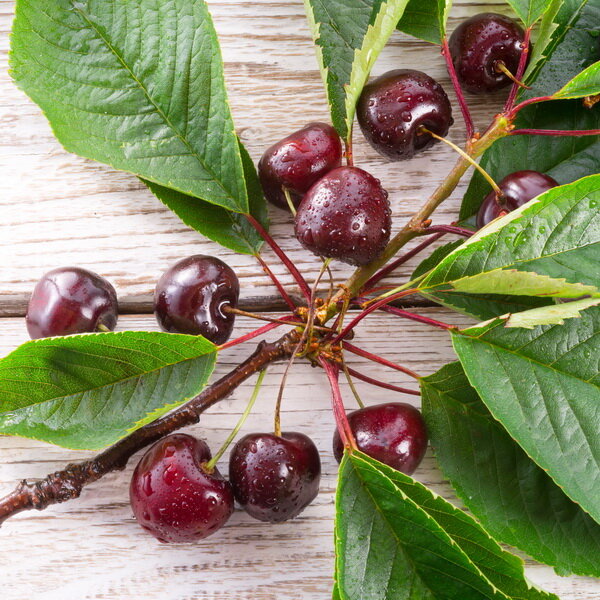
[(529, 11), (586, 83), (138, 86), (89, 391)]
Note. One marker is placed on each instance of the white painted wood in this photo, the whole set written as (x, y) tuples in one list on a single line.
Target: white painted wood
[(58, 209)]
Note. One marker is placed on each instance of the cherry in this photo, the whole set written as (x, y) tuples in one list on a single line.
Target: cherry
[(479, 45), (393, 108), (345, 215), (193, 295), (275, 478), (518, 188), (298, 161), (393, 433), (71, 300), (174, 497)]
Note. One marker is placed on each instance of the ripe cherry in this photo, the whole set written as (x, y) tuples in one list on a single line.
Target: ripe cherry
[(298, 161), (518, 188), (345, 215), (193, 296), (172, 494), (479, 46), (71, 300), (393, 433), (393, 109), (275, 478)]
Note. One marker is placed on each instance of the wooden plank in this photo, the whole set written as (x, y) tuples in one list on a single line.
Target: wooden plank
[(92, 547), (59, 209)]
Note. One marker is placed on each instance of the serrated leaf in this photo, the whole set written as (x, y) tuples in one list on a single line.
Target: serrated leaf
[(543, 385), (88, 391), (228, 228), (426, 19), (513, 498), (349, 35), (547, 247), (554, 314), (396, 539), (529, 11), (137, 85), (586, 83)]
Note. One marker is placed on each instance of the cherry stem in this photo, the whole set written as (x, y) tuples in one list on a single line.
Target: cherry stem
[(517, 79), (288, 368), (280, 288), (243, 313), (349, 151), (462, 231), (379, 359), (351, 385), (288, 199), (400, 261), (466, 156), (393, 310), (212, 463), (558, 132), (462, 102), (500, 67), (257, 332), (102, 328), (382, 384), (519, 107), (281, 255), (337, 403)]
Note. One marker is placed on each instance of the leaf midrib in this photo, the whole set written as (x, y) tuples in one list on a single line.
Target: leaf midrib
[(156, 106)]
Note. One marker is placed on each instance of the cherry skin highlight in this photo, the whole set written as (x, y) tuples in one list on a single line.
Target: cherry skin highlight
[(275, 478), (71, 300), (392, 433), (479, 44), (172, 495), (345, 215), (393, 108), (518, 188), (297, 161), (193, 295)]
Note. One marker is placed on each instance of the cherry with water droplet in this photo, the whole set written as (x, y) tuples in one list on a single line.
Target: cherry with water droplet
[(297, 161), (193, 295), (477, 47), (71, 300), (517, 188), (393, 433), (345, 215), (174, 497), (393, 109), (275, 478)]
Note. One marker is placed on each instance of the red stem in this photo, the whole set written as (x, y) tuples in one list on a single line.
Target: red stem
[(276, 281), (560, 132), (381, 384), (519, 107), (282, 256), (378, 359), (419, 318), (510, 101), (451, 229), (260, 331), (464, 107), (349, 151), (337, 404), (399, 261)]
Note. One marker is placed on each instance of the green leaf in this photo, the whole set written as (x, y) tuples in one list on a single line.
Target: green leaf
[(586, 83), (573, 45), (137, 85), (396, 539), (543, 385), (529, 11), (89, 391), (349, 35), (513, 498), (230, 229), (548, 247), (426, 19), (554, 314)]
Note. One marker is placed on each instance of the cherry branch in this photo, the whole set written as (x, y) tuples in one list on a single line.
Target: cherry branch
[(67, 484), (462, 231)]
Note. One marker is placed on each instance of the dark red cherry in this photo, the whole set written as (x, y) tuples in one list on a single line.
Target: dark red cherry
[(517, 188), (479, 45), (298, 161), (172, 495), (393, 433), (345, 215), (275, 478), (71, 300), (193, 295), (393, 108)]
